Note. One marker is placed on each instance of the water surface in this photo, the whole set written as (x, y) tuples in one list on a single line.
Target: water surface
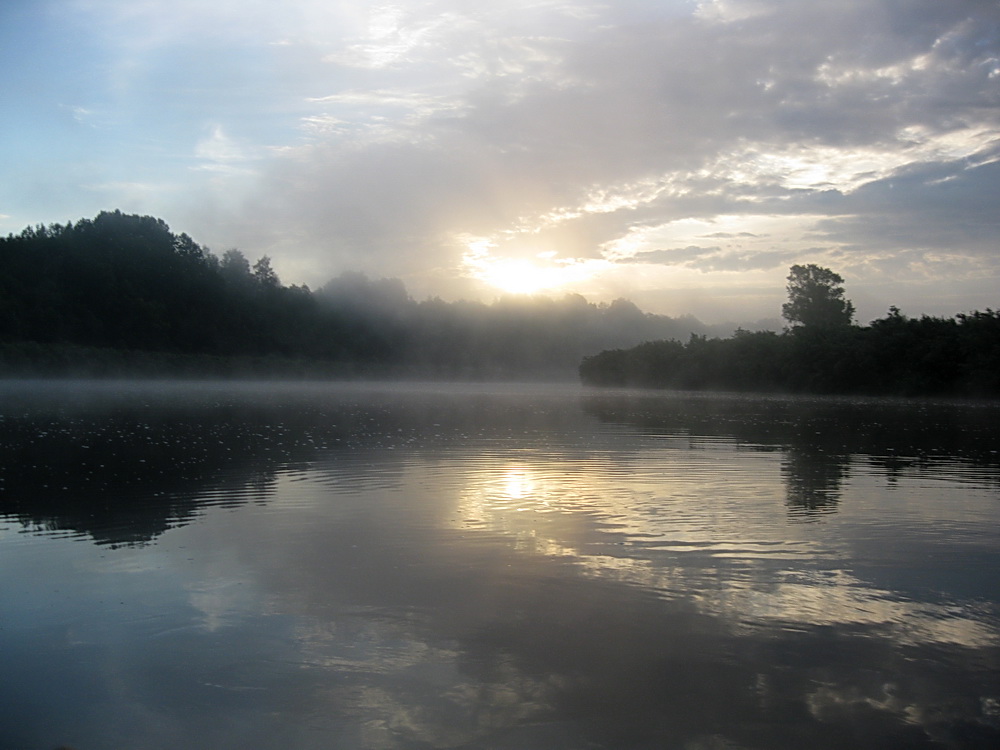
[(475, 566)]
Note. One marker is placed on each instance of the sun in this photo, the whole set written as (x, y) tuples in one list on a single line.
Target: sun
[(516, 276), (538, 273)]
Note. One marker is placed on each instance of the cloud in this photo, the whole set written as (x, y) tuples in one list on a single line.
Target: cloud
[(708, 259), (933, 206), (382, 135), (221, 153), (680, 256)]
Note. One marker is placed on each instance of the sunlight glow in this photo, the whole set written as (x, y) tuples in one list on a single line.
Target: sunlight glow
[(541, 272), (813, 167), (520, 276), (518, 484)]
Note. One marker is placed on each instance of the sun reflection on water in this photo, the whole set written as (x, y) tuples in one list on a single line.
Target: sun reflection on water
[(518, 484), (675, 530)]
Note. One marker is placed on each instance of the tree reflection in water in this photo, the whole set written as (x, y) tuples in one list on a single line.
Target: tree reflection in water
[(362, 567), (813, 480)]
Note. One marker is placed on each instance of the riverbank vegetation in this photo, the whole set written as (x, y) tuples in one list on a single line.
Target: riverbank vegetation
[(821, 351), (123, 296)]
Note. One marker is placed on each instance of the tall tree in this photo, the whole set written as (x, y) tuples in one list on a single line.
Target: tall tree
[(816, 298), (265, 275), (235, 269)]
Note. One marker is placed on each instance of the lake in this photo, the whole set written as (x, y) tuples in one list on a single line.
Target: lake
[(276, 565)]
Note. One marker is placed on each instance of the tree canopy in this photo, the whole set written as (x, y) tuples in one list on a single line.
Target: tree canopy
[(823, 353), (816, 298), (100, 295), (75, 294)]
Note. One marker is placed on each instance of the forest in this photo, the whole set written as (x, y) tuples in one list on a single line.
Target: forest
[(821, 351), (123, 295)]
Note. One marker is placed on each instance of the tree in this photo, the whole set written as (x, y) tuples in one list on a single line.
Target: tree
[(265, 275), (235, 267), (816, 298)]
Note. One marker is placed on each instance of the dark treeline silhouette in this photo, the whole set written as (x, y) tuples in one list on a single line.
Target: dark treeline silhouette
[(821, 352), (123, 295)]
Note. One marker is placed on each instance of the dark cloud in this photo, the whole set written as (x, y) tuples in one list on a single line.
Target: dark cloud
[(676, 256), (387, 138), (708, 259), (661, 100), (931, 207)]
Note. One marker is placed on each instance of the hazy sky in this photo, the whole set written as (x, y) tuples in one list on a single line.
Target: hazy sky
[(682, 153)]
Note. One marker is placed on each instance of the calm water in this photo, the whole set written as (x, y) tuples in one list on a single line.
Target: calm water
[(508, 567)]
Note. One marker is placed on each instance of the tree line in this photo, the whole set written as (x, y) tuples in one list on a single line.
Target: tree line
[(122, 295), (821, 351)]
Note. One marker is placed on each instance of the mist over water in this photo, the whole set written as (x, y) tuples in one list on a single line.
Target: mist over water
[(219, 565)]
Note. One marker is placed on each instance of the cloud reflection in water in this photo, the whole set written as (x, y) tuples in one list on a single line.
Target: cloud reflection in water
[(530, 578)]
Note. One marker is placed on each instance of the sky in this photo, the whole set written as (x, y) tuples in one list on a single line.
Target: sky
[(680, 153)]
